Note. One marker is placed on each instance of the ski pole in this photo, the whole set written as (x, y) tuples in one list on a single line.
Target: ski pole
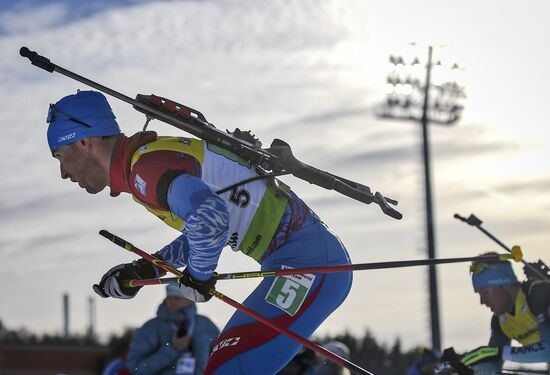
[(476, 222), (213, 292), (516, 256)]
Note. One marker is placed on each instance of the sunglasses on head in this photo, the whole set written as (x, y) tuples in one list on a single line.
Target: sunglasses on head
[(53, 112), (478, 267)]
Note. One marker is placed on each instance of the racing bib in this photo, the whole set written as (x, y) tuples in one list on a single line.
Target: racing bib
[(186, 364), (289, 292)]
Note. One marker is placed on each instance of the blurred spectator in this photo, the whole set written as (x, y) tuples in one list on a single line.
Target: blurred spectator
[(116, 363), (301, 364), (177, 341), (326, 366), (116, 367), (425, 364)]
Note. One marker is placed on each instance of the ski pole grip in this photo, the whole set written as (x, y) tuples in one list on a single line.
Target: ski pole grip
[(37, 60), (113, 238), (517, 254)]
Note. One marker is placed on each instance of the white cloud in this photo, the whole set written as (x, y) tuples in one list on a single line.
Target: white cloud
[(30, 17)]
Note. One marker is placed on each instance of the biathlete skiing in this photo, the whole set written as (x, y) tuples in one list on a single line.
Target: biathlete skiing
[(181, 181), (521, 312), (520, 324)]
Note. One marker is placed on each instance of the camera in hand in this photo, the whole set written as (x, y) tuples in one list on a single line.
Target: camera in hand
[(182, 329)]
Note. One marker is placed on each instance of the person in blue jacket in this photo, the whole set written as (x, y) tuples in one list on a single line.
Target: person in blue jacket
[(176, 341)]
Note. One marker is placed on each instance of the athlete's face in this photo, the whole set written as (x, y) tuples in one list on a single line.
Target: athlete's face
[(176, 303), (495, 298), (78, 164)]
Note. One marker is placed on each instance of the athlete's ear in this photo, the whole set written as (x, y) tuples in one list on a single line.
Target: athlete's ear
[(84, 144)]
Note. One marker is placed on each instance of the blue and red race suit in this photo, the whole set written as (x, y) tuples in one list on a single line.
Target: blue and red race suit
[(177, 179)]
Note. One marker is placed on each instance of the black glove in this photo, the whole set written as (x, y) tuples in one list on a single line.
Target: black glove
[(111, 283), (482, 354), (450, 356), (195, 290)]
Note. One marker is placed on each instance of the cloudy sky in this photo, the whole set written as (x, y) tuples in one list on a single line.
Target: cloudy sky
[(311, 73)]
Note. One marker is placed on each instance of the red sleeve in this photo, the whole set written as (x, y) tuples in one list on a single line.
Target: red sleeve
[(153, 172)]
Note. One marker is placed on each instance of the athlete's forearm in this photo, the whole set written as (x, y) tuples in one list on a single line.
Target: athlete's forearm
[(175, 253)]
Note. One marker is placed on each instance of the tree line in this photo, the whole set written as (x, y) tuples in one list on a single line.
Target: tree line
[(365, 350)]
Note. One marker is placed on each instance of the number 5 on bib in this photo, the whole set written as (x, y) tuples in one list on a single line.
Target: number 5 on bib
[(289, 292)]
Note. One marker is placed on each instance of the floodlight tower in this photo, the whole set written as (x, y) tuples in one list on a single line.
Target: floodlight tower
[(433, 100)]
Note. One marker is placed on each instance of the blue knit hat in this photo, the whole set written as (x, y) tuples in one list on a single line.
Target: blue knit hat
[(174, 290), (82, 115), (493, 274)]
